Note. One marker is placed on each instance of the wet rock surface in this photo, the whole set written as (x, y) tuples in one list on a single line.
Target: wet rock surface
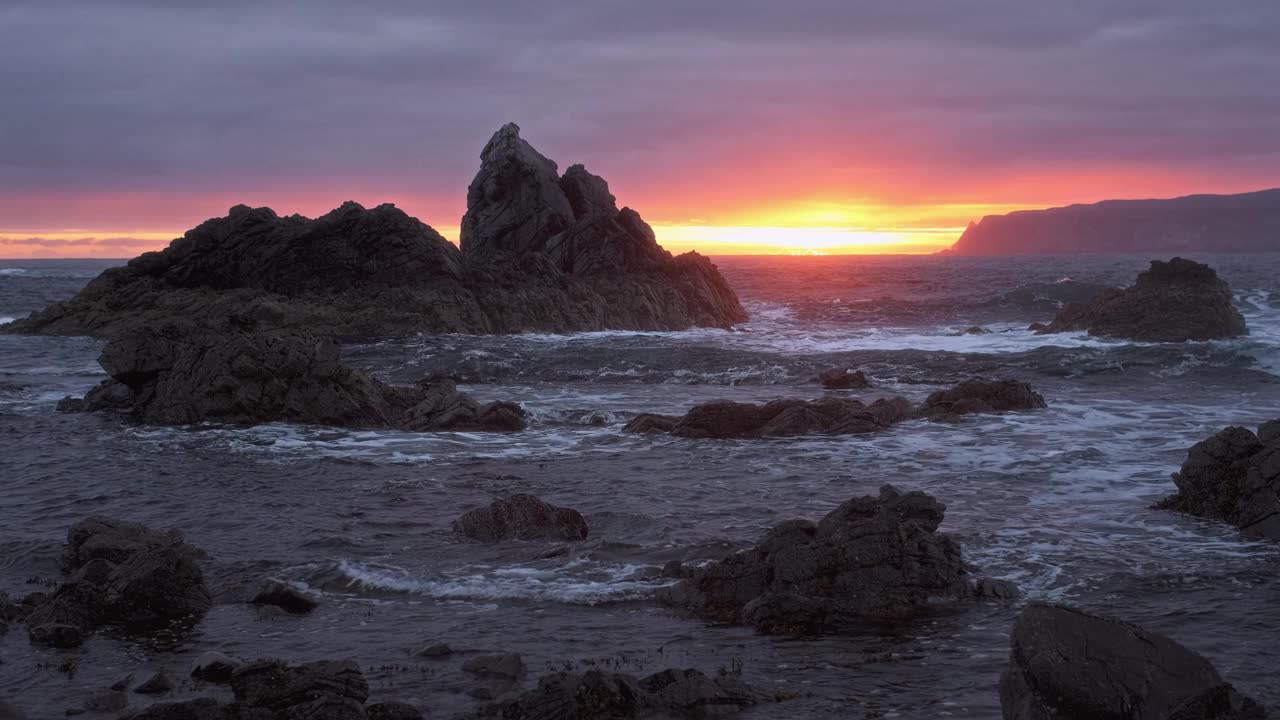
[(598, 694), (1233, 476), (521, 517), (181, 373), (1067, 663), (539, 252), (872, 558), (842, 379), (1172, 301), (978, 396)]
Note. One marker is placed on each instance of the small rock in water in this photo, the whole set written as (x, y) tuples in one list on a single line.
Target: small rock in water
[(106, 701), (215, 667), (521, 517), (122, 682), (503, 665), (841, 379), (154, 683), (286, 598), (57, 635), (435, 651)]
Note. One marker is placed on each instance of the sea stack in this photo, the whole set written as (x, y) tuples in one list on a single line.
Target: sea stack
[(539, 252)]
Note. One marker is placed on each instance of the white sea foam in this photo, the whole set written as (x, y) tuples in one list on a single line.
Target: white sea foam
[(4, 320), (9, 272)]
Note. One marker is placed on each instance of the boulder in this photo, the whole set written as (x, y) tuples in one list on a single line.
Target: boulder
[(651, 423), (872, 558), (521, 517), (215, 667), (539, 252), (978, 396), (1066, 663), (596, 694), (1233, 476), (841, 379), (155, 683), (285, 597), (508, 666), (56, 635), (436, 650), (279, 687), (1173, 301), (181, 372), (972, 330)]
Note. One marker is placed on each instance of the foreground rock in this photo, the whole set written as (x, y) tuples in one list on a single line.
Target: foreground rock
[(540, 252), (122, 574), (836, 415), (184, 373), (872, 558), (1173, 301), (597, 694), (1066, 663), (1233, 476), (275, 690), (521, 517)]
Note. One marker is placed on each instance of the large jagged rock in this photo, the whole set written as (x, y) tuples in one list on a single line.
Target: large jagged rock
[(836, 415), (595, 695), (1233, 476), (872, 558), (521, 517), (1068, 664), (123, 574), (182, 373), (1173, 301), (539, 252)]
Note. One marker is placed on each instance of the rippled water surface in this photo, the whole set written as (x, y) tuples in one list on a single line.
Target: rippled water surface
[(1057, 500)]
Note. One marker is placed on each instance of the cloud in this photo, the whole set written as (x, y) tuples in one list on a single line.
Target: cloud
[(679, 104)]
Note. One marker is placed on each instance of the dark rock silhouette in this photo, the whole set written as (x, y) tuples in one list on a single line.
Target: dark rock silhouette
[(182, 373), (872, 558), (836, 415), (539, 252), (597, 694), (521, 517), (1049, 297), (1066, 663), (842, 379), (1173, 301), (1248, 222), (123, 574), (1233, 476)]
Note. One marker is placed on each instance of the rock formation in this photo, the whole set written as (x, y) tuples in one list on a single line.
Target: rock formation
[(872, 558), (1248, 222), (1066, 663), (122, 574), (596, 694), (181, 373), (835, 415), (539, 252), (1049, 297), (1173, 301), (841, 379), (521, 517), (1233, 476)]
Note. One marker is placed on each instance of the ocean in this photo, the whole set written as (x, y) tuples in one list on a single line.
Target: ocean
[(1057, 501)]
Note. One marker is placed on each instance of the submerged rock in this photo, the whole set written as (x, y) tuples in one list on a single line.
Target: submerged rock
[(286, 598), (184, 373), (842, 379), (596, 694), (1172, 301), (872, 558), (521, 517), (1066, 663), (835, 415), (539, 251), (123, 574), (1233, 476), (1049, 297)]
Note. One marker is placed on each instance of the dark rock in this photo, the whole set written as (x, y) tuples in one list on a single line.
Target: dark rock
[(1233, 476), (649, 422), (1066, 663), (598, 695), (106, 701), (285, 597), (521, 517), (156, 587), (123, 682), (393, 711), (437, 650), (70, 405), (871, 558), (180, 373), (215, 667), (56, 635), (1037, 327), (278, 686), (1173, 301), (509, 666), (155, 683), (100, 537), (842, 379), (972, 330), (977, 396), (539, 252), (1049, 297), (202, 709)]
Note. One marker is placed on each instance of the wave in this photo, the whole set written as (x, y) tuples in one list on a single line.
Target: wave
[(578, 582)]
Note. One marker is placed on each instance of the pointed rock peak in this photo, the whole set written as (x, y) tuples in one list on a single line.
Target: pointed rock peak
[(588, 194)]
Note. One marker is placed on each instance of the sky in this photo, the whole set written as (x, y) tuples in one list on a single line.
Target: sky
[(731, 126)]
